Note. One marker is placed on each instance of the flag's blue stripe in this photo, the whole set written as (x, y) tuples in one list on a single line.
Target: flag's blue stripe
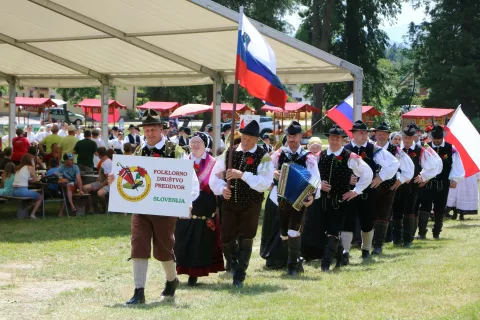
[(256, 66), (346, 109)]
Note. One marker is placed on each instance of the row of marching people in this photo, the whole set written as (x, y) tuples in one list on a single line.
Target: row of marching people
[(358, 180)]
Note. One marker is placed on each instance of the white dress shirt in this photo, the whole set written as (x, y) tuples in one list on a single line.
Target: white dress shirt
[(62, 133), (359, 167), (406, 168), (429, 160), (389, 164), (115, 144), (259, 181)]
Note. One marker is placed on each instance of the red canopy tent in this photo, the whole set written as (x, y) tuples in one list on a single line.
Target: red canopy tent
[(368, 112), (163, 108), (423, 116), (32, 105), (292, 110), (93, 108)]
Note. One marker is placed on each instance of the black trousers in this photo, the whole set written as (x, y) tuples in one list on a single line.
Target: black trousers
[(333, 212), (405, 200), (436, 194), (239, 221), (290, 218), (361, 206), (382, 204)]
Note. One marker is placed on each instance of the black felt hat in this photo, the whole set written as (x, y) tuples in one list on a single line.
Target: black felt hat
[(336, 130), (410, 130), (359, 125), (131, 126), (251, 129), (226, 127), (294, 128), (115, 128), (151, 117), (437, 132), (383, 127)]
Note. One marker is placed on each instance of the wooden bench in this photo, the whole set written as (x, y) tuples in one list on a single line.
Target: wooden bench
[(81, 202), (22, 208)]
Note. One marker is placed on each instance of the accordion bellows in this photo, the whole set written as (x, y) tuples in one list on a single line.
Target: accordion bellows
[(295, 184)]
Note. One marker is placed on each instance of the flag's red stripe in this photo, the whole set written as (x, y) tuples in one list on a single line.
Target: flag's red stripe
[(468, 164), (342, 120), (259, 87)]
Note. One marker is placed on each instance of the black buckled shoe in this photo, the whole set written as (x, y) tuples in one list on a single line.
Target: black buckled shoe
[(377, 251), (138, 297), (366, 254), (170, 287), (237, 283)]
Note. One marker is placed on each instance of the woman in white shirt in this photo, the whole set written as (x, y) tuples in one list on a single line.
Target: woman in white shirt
[(117, 143), (25, 174)]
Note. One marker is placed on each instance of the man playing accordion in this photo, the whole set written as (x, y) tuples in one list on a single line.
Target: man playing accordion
[(291, 220)]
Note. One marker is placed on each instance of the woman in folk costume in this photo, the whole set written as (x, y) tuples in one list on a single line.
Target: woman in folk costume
[(464, 198), (198, 248)]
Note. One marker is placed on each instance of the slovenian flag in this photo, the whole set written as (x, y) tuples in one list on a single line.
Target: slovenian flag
[(463, 135), (342, 115), (256, 66)]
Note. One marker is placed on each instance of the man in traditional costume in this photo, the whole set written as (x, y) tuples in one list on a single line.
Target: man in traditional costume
[(426, 163), (148, 229), (384, 166), (251, 175), (291, 220), (336, 167), (436, 189), (385, 192)]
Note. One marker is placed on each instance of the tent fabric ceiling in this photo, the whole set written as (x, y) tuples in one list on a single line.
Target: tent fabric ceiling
[(71, 43)]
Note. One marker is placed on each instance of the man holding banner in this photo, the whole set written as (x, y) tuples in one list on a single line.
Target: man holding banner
[(156, 229)]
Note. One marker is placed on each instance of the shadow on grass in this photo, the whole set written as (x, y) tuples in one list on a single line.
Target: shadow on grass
[(463, 226), (248, 289), (64, 228), (151, 305)]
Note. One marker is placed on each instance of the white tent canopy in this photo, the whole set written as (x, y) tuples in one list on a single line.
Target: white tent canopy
[(71, 43)]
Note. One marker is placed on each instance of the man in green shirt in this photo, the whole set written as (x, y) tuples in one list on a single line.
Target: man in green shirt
[(51, 139), (68, 143), (85, 149)]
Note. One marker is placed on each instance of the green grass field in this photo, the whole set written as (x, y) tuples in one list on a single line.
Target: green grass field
[(77, 268)]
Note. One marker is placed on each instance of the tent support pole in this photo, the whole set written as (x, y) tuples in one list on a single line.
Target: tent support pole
[(216, 117), (11, 111), (357, 95), (105, 92)]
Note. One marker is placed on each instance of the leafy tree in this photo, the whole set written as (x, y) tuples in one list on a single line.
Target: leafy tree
[(447, 50)]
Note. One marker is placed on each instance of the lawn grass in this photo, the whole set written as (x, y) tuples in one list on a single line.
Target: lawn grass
[(77, 268)]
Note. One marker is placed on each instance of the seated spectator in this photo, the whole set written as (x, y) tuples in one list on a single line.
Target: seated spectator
[(70, 171), (53, 189), (127, 149), (55, 154), (20, 146), (110, 154), (7, 153), (67, 145), (101, 186), (98, 140), (86, 149), (24, 174), (39, 165), (6, 184)]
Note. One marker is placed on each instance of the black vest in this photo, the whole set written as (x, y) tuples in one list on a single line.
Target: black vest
[(335, 171), (132, 140), (415, 156), (365, 152), (241, 191), (267, 147), (154, 152), (300, 159), (183, 141), (445, 153)]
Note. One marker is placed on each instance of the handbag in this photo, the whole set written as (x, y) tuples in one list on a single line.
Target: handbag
[(51, 179)]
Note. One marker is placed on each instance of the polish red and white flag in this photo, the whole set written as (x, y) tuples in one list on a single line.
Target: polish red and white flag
[(466, 139)]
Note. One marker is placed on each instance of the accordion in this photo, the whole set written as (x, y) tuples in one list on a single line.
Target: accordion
[(295, 184)]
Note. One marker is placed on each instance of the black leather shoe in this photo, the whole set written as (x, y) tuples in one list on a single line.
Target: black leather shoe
[(237, 283), (421, 237), (407, 245), (170, 287), (300, 266), (192, 281), (436, 236), (366, 254), (138, 297), (345, 259), (377, 251)]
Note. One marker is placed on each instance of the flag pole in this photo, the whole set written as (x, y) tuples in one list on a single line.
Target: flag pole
[(235, 98)]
